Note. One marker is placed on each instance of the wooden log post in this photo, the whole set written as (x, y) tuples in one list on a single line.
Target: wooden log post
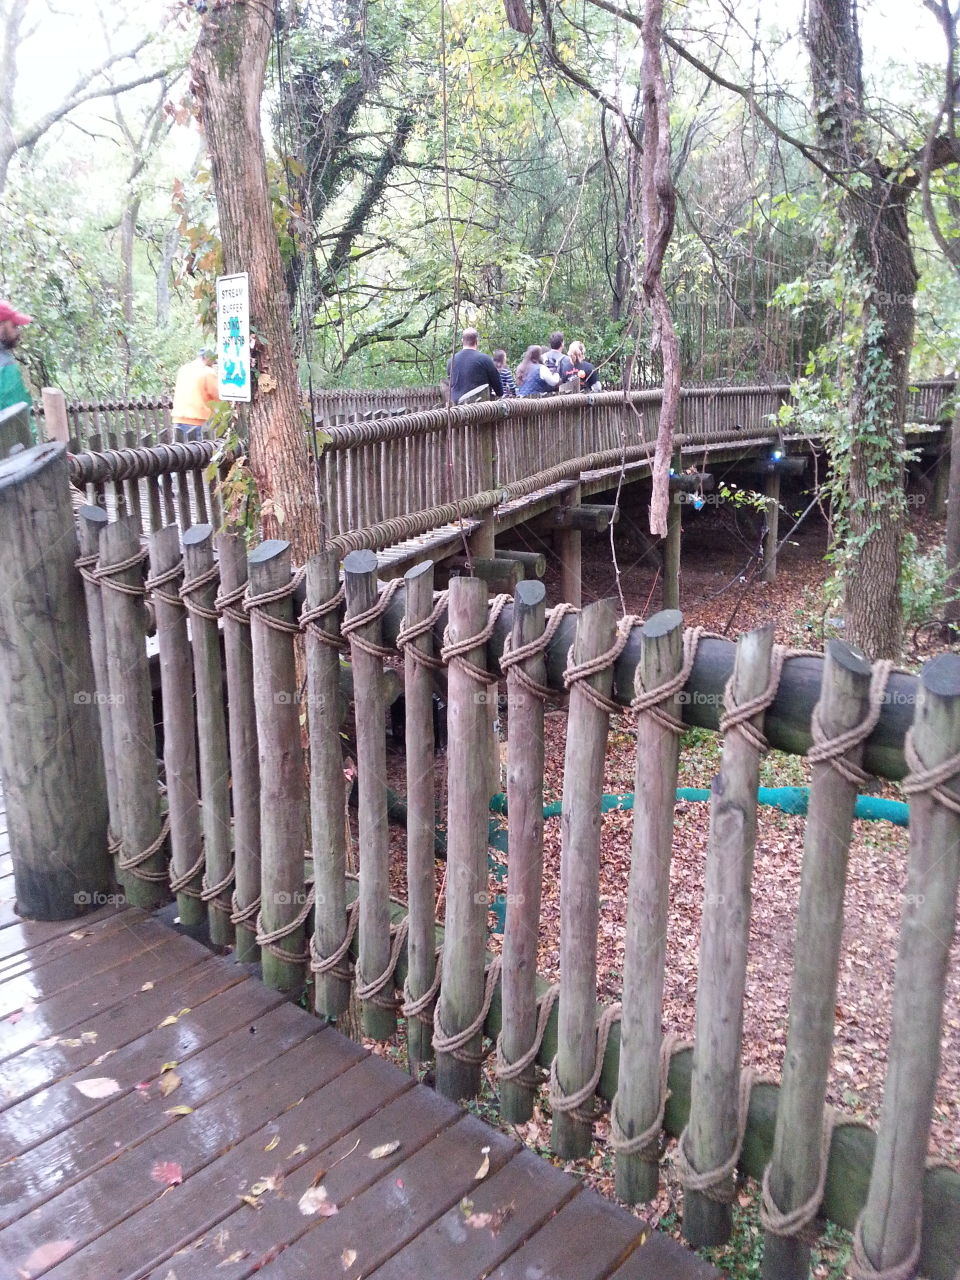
[(142, 861), (889, 1230), (198, 591), (941, 483), (640, 1100), (500, 575), (483, 541), (468, 724), (50, 754), (587, 727), (569, 542), (795, 1172), (713, 1128), (91, 521), (283, 815), (56, 425), (419, 666), (533, 563), (771, 536), (670, 594), (525, 765), (374, 981), (327, 787), (242, 729), (179, 725)]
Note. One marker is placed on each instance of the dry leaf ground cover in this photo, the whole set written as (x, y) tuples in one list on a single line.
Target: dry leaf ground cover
[(875, 884)]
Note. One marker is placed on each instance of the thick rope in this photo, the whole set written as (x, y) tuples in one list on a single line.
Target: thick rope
[(801, 1221), (574, 1103), (514, 1070), (652, 702), (191, 586), (373, 991), (337, 964), (211, 892), (246, 916), (456, 1043), (105, 574), (259, 602), (718, 1184), (180, 883), (923, 781), (86, 565), (407, 634), (834, 751), (268, 941), (154, 585), (861, 1267), (738, 716), (226, 604), (646, 1145), (420, 1007), (511, 658), (454, 652), (579, 673), (133, 863), (350, 626), (310, 619)]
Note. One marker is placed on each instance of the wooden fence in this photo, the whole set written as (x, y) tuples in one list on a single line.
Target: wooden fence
[(239, 859)]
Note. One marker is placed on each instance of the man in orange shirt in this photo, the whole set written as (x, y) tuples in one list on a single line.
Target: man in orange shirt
[(195, 391)]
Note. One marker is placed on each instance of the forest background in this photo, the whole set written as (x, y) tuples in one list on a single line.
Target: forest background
[(432, 167)]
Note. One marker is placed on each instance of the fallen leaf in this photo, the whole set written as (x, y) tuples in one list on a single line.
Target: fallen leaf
[(348, 1258), (484, 1165), (169, 1066), (274, 1143), (168, 1021), (147, 986), (387, 1149), (97, 1087), (46, 1256), (78, 934), (238, 1256), (298, 1150), (179, 1111), (167, 1172), (262, 1185), (103, 1057), (478, 1220), (314, 1200), (169, 1081), (252, 1201)]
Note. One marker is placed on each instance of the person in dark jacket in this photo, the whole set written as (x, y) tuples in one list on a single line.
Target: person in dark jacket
[(585, 371), (471, 368), (533, 376), (555, 360), (506, 377)]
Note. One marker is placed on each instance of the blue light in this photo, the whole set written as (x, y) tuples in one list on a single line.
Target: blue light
[(778, 454)]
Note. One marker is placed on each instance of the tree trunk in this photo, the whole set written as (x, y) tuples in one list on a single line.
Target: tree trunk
[(229, 64), (873, 211), (171, 242), (128, 231), (952, 609)]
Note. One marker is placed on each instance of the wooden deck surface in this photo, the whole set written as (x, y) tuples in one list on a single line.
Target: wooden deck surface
[(269, 1103)]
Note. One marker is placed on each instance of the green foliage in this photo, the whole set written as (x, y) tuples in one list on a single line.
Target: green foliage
[(923, 583)]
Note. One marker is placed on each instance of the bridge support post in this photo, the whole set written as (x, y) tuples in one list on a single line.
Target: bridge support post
[(771, 489), (941, 483), (569, 550), (50, 753), (483, 542), (670, 598)]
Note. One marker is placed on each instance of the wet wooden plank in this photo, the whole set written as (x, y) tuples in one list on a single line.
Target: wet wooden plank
[(663, 1259), (54, 1057), (168, 1224), (244, 1079), (587, 1240), (97, 992), (36, 935), (306, 1246), (485, 1227)]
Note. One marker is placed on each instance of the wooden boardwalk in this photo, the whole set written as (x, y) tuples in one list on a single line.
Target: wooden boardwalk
[(207, 1180)]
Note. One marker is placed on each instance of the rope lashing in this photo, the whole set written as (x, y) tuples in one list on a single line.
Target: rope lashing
[(720, 1183), (407, 634), (861, 1267), (268, 941), (114, 843), (245, 916), (922, 780), (652, 702), (211, 892), (106, 574), (834, 751), (455, 1043), (574, 1103), (180, 881), (801, 1221), (258, 603), (86, 565), (579, 673), (337, 964), (518, 1068), (310, 622), (454, 652), (226, 604), (350, 627), (155, 583), (191, 586), (738, 716), (420, 1007), (646, 1145), (373, 991), (133, 863), (511, 658)]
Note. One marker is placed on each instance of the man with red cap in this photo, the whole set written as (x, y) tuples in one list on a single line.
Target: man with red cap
[(12, 387)]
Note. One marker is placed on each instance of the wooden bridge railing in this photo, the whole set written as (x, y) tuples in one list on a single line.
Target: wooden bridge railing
[(302, 912)]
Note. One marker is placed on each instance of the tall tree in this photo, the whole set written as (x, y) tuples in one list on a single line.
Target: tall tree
[(229, 67)]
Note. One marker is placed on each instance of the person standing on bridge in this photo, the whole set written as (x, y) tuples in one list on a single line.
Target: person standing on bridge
[(194, 395), (13, 389), (506, 377), (471, 368), (533, 376)]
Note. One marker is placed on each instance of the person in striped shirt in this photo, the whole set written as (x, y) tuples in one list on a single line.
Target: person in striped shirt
[(506, 377)]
